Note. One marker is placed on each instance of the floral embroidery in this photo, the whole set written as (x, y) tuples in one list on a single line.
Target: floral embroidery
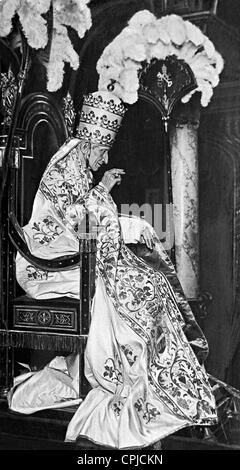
[(129, 353), (145, 301), (147, 410), (117, 407), (184, 403), (46, 230), (204, 407), (112, 370), (66, 182), (36, 273)]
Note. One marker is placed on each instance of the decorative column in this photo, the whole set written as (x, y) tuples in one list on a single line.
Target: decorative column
[(184, 163)]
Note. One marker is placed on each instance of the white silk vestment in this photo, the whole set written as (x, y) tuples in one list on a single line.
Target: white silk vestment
[(146, 379)]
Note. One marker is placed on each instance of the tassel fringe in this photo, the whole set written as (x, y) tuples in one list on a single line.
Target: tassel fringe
[(44, 341)]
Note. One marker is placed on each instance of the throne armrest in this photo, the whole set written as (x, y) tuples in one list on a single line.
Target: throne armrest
[(62, 263)]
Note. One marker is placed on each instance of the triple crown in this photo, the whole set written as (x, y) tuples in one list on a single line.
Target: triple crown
[(100, 118)]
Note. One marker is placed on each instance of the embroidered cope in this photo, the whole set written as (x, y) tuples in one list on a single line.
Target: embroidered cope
[(144, 351)]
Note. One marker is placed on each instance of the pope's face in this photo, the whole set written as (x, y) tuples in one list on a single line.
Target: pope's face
[(98, 156)]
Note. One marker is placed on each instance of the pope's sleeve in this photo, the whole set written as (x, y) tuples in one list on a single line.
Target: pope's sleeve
[(58, 208)]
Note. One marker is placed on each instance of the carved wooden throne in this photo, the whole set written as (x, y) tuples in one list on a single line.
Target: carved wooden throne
[(59, 325)]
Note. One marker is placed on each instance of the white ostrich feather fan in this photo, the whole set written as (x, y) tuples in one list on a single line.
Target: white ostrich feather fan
[(146, 38)]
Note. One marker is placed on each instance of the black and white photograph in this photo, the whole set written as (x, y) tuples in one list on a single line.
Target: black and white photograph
[(119, 230)]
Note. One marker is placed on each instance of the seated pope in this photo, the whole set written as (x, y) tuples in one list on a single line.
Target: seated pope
[(145, 352)]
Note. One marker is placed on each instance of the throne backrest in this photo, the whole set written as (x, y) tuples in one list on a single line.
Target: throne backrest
[(41, 120)]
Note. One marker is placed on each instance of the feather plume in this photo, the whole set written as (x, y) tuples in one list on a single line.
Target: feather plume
[(74, 13), (146, 38)]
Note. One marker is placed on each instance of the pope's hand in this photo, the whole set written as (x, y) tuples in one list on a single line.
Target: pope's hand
[(147, 238), (112, 177)]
